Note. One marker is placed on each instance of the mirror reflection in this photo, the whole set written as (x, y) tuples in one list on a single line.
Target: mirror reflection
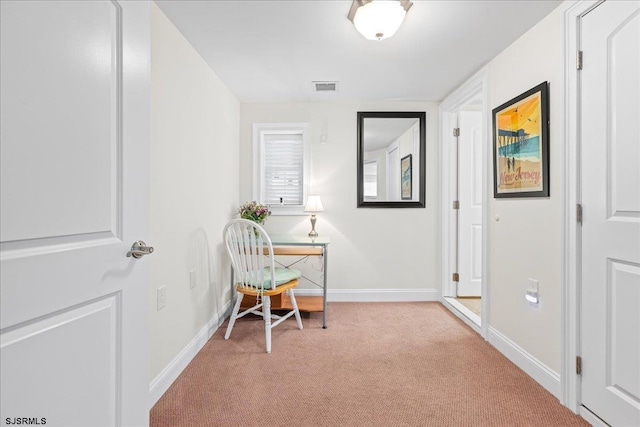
[(391, 157)]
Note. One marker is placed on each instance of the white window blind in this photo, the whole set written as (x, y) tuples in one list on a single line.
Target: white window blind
[(282, 166), (283, 169)]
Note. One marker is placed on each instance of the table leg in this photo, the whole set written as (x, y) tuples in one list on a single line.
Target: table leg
[(324, 291)]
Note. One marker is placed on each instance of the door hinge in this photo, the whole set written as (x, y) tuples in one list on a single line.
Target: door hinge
[(579, 213), (456, 277), (456, 131), (579, 60), (456, 204), (578, 365)]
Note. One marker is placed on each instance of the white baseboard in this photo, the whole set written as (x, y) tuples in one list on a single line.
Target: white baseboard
[(374, 295), (546, 377), (163, 381)]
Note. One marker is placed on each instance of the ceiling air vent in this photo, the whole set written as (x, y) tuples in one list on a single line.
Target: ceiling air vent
[(326, 86)]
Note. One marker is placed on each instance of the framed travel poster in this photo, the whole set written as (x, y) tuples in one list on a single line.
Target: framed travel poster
[(521, 145), (405, 177)]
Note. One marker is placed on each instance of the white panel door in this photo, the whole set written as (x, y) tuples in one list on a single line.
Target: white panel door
[(74, 149), (470, 197), (610, 145)]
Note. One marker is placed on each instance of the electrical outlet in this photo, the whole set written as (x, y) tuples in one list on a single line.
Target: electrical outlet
[(162, 297), (193, 279), (532, 291)]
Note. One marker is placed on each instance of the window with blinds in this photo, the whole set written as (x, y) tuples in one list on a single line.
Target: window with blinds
[(281, 166), (283, 169)]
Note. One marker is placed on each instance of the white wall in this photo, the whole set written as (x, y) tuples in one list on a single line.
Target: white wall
[(371, 249), (526, 241), (194, 189)]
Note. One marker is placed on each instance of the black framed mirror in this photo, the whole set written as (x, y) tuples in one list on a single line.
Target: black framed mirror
[(391, 159)]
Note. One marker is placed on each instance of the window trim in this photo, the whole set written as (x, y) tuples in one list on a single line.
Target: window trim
[(258, 162)]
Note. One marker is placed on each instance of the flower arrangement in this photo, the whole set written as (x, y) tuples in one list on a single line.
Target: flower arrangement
[(254, 211)]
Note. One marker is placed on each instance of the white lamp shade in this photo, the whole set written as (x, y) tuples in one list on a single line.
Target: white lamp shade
[(314, 204), (379, 19)]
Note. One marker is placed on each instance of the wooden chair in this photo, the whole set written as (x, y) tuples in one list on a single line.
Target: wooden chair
[(249, 248)]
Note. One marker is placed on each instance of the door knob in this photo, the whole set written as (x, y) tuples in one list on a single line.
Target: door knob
[(139, 249)]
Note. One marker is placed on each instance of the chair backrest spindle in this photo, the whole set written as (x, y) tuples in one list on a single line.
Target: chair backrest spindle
[(247, 244)]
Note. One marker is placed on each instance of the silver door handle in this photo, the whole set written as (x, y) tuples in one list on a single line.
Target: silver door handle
[(139, 249)]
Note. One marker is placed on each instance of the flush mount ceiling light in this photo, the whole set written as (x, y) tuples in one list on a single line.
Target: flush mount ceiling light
[(378, 19)]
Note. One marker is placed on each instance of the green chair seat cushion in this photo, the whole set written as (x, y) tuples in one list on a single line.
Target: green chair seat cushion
[(283, 275)]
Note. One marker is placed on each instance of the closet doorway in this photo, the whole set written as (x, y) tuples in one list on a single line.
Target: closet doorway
[(464, 189)]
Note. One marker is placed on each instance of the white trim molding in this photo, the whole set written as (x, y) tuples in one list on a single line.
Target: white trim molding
[(463, 313), (546, 377), (172, 371), (571, 237), (591, 418), (478, 84)]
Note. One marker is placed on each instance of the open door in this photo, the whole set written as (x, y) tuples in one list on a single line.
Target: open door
[(470, 204), (464, 154), (75, 145), (610, 155)]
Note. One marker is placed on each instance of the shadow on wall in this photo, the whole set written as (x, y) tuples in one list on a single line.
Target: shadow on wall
[(204, 274), (224, 289)]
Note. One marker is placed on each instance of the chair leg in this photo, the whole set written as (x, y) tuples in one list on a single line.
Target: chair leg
[(266, 310), (234, 315), (296, 312)]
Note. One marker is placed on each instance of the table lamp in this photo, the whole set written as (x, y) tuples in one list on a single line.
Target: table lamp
[(314, 204)]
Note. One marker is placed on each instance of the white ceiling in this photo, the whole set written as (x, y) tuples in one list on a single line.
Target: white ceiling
[(271, 51)]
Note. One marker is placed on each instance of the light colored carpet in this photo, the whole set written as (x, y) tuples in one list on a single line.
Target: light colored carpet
[(473, 304), (378, 364)]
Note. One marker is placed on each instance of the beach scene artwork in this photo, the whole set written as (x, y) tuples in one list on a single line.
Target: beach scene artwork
[(518, 146)]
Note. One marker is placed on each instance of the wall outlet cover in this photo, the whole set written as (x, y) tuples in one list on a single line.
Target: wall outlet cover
[(532, 291)]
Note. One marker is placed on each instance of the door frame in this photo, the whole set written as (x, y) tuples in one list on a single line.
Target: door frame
[(387, 153), (478, 84), (570, 381)]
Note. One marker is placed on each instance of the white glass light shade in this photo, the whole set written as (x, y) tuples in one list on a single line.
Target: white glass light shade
[(314, 204), (379, 19)]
